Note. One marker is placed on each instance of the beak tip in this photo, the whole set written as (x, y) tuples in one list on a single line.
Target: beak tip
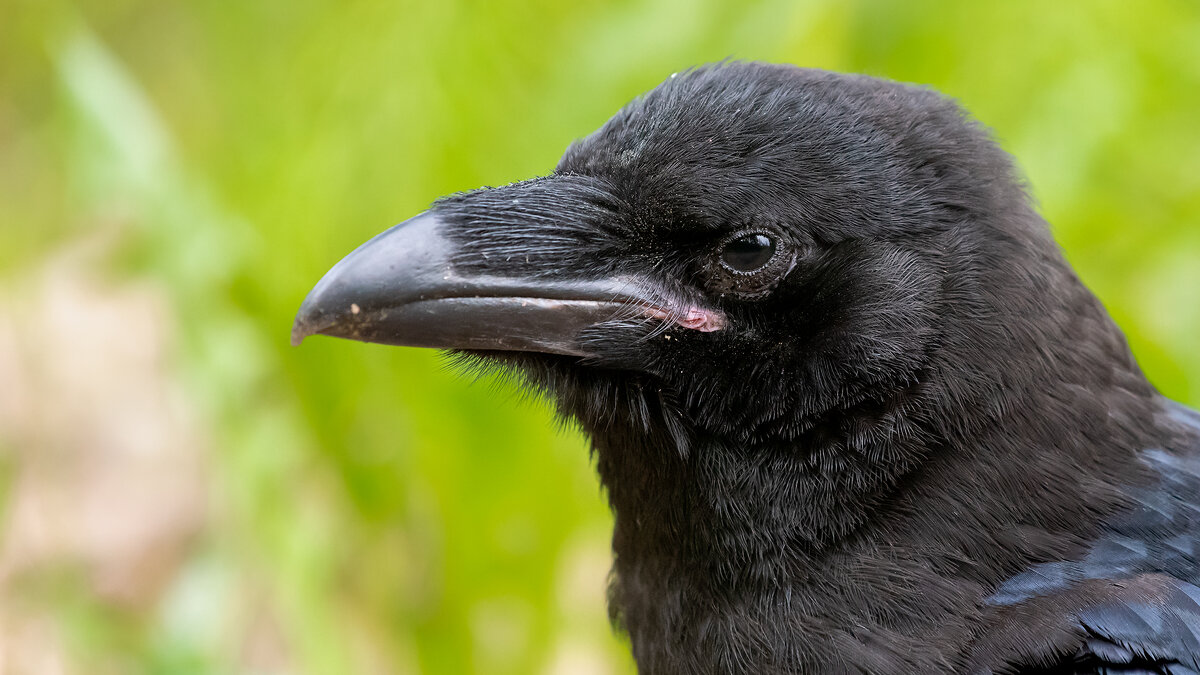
[(314, 318), (309, 321), (300, 330)]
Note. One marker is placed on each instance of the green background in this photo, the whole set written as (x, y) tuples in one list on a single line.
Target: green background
[(366, 509)]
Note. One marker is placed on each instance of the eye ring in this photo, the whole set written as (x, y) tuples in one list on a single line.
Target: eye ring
[(770, 256), (747, 253)]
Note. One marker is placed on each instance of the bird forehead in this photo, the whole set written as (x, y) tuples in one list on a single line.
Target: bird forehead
[(717, 138)]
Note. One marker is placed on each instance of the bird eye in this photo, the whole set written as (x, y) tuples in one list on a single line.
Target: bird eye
[(748, 253)]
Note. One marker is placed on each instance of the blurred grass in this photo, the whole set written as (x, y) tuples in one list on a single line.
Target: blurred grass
[(370, 511)]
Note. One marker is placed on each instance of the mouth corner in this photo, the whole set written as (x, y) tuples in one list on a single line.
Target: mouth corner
[(695, 318)]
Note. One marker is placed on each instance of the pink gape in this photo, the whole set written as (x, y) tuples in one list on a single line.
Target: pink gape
[(695, 318)]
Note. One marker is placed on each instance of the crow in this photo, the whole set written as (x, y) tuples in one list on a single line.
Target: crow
[(852, 409)]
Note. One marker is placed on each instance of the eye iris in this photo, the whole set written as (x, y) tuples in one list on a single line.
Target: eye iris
[(748, 253)]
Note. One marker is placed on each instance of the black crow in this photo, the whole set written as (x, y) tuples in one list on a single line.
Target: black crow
[(853, 411)]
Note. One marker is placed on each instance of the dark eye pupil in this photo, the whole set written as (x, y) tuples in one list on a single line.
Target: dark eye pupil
[(748, 253)]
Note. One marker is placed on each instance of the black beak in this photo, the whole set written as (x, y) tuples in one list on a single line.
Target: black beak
[(401, 288)]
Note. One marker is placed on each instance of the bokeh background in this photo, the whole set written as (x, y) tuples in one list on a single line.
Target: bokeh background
[(183, 492)]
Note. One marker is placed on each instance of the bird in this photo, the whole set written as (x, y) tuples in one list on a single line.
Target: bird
[(852, 409)]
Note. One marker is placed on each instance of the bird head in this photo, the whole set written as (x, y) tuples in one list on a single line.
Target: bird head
[(771, 295), (746, 249)]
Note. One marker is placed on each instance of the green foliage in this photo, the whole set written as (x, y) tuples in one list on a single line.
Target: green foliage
[(378, 512)]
